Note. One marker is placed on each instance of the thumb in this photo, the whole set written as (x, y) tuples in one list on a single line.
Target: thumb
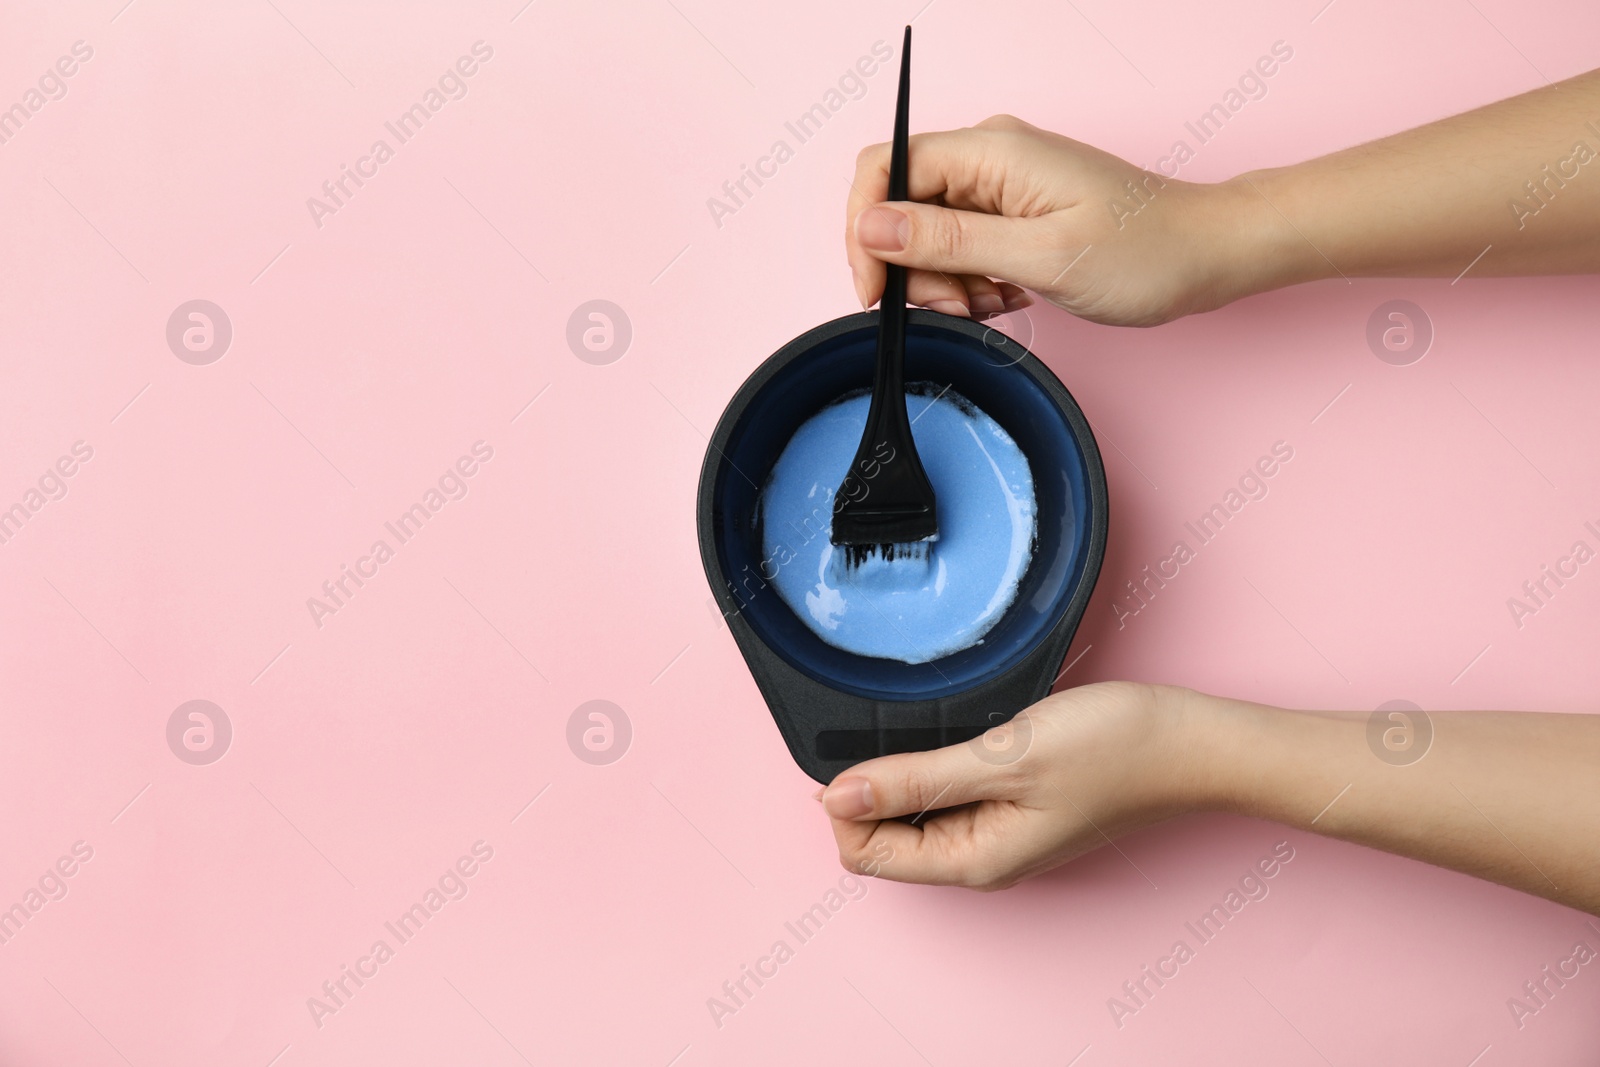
[(929, 237), (915, 782)]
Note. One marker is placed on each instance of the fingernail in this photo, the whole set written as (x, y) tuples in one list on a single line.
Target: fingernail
[(882, 229), (988, 302), (861, 294), (1014, 296), (817, 796), (848, 798), (948, 307)]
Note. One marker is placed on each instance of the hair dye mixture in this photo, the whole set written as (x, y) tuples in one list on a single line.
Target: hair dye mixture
[(914, 603)]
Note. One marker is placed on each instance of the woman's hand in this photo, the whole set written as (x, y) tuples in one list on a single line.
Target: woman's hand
[(1507, 796), (1060, 779), (1087, 231), (1003, 205)]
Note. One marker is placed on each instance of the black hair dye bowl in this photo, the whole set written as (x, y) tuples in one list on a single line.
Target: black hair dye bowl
[(836, 708)]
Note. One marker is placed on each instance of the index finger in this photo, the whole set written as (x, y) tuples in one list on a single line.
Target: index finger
[(963, 847), (939, 164), (864, 801)]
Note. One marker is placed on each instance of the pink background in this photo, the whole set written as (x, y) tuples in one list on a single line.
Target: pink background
[(370, 753)]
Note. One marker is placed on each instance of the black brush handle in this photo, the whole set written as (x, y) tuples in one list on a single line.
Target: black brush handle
[(887, 417), (899, 507)]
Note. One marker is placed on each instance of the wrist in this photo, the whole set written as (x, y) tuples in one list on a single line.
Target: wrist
[(1201, 749), (1273, 763), (1227, 753), (1254, 241)]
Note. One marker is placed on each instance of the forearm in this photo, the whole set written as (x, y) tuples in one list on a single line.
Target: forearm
[(1520, 178), (1510, 797)]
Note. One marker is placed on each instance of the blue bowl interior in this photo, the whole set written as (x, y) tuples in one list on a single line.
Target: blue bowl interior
[(1002, 387)]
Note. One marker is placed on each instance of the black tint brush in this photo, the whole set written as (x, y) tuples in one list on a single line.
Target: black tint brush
[(885, 505)]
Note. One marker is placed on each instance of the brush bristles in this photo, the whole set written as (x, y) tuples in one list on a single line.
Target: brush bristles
[(856, 556)]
